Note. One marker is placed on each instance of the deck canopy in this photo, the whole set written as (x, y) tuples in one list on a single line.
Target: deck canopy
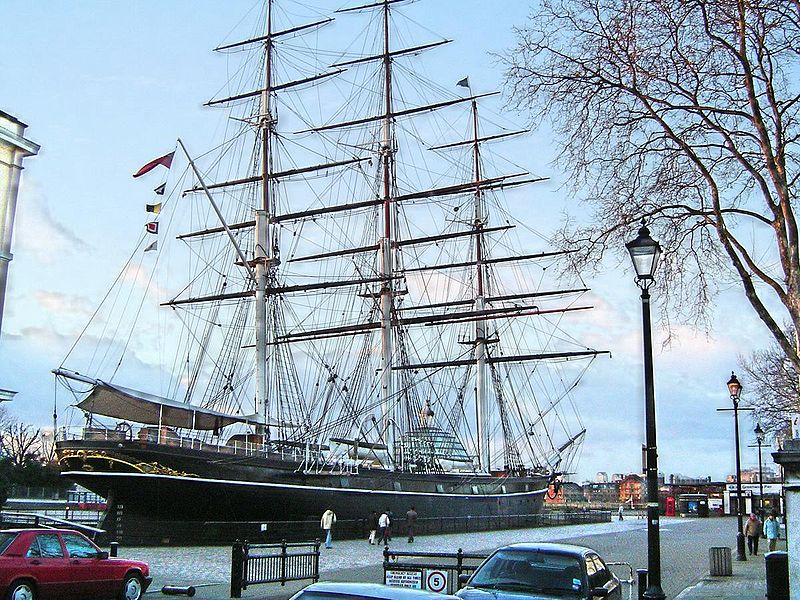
[(131, 405)]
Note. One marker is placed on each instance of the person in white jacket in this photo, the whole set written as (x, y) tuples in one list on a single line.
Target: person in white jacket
[(383, 525), (327, 522)]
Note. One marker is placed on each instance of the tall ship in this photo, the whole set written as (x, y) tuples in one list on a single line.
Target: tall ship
[(333, 308)]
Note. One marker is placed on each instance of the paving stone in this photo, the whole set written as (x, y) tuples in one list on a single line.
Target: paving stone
[(684, 558)]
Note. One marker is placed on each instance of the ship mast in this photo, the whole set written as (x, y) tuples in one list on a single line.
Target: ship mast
[(385, 247), (262, 249), (481, 397)]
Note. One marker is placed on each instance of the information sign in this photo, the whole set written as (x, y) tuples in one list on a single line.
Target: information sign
[(405, 579)]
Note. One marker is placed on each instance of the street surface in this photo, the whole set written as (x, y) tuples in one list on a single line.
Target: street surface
[(684, 554)]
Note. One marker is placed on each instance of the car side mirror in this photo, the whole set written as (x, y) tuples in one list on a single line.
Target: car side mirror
[(599, 592), (463, 579), (102, 555)]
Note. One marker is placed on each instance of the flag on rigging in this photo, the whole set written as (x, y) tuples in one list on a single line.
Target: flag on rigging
[(160, 189), (153, 208), (152, 227), (151, 247), (165, 160), (464, 82)]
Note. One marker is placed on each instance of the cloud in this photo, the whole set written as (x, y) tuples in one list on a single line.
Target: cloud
[(37, 232), (59, 306)]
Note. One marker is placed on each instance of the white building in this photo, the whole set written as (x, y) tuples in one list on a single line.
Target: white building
[(13, 148)]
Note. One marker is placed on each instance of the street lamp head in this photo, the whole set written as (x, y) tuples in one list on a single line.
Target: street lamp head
[(734, 387), (759, 433), (645, 252)]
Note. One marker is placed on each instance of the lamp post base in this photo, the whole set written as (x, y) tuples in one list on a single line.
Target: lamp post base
[(654, 592), (740, 551)]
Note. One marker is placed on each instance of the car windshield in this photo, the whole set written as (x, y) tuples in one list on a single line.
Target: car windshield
[(530, 570), (5, 539)]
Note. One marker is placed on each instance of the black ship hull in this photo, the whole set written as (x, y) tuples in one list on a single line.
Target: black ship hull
[(158, 494)]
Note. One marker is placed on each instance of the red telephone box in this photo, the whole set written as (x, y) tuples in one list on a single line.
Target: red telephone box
[(670, 508)]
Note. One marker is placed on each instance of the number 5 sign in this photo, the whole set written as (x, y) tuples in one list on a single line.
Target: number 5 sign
[(435, 580)]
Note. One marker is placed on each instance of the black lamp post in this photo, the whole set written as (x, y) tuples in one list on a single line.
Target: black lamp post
[(760, 442), (644, 253), (735, 389)]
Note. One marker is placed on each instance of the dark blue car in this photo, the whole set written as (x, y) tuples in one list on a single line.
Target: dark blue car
[(542, 571)]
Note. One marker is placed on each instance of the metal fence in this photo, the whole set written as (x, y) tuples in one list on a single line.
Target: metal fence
[(272, 563), (24, 519), (432, 571)]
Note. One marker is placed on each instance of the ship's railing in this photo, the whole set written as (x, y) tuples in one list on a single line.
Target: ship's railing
[(272, 563), (166, 436), (335, 467)]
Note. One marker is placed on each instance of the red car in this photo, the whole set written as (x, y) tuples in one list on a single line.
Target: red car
[(61, 564)]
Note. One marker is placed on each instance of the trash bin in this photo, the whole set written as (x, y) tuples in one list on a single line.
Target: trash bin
[(777, 566), (720, 562)]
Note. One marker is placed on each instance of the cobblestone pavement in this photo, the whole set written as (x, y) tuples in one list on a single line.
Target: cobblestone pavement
[(684, 555)]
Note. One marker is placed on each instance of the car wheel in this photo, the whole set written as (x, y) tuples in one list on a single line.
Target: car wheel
[(131, 587), (21, 590)]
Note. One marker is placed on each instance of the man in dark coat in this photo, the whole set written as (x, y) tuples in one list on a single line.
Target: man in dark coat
[(411, 519), (372, 525)]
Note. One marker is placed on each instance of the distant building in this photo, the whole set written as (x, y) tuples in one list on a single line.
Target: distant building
[(602, 493), (751, 475), (678, 479), (632, 490), (568, 493), (13, 148), (601, 477)]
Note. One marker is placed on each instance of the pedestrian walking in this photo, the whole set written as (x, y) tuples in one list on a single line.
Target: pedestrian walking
[(372, 525), (383, 525), (390, 521), (411, 519), (620, 511), (772, 531), (327, 522), (752, 530)]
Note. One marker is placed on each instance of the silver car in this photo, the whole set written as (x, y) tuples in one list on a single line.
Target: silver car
[(366, 591), (541, 571)]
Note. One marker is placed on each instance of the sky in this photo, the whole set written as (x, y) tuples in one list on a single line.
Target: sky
[(106, 86)]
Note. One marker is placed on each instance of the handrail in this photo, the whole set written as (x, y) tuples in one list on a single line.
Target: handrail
[(40, 520), (630, 581)]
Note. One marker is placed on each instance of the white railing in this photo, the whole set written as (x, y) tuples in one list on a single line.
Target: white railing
[(170, 438)]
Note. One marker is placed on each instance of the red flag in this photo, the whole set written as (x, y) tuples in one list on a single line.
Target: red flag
[(152, 227), (165, 160)]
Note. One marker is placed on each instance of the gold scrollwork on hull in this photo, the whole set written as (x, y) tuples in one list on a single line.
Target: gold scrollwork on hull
[(90, 458)]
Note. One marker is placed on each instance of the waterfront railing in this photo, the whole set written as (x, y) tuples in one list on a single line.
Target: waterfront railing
[(253, 564)]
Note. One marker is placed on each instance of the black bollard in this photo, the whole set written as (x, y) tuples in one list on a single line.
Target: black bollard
[(113, 549), (237, 569), (177, 590), (642, 582)]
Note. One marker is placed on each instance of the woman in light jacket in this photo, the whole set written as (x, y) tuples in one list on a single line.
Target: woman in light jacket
[(327, 522)]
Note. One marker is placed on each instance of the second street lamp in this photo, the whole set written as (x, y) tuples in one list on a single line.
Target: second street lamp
[(644, 253), (760, 442), (735, 390)]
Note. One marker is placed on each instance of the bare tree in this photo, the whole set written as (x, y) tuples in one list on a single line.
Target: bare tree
[(5, 418), (774, 388), (20, 443), (683, 112), (46, 447)]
